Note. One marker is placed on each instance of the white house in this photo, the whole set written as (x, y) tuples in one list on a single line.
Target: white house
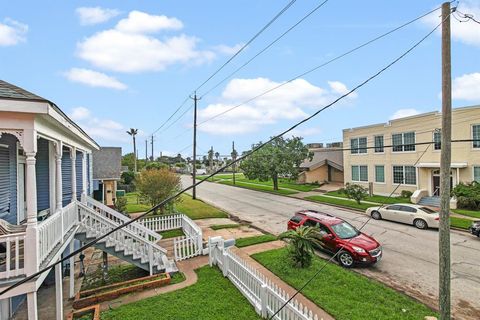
[(45, 203)]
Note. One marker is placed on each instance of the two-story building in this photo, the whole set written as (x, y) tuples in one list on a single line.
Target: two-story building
[(404, 154)]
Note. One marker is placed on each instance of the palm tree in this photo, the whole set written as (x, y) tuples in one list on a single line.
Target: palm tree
[(133, 133), (302, 242)]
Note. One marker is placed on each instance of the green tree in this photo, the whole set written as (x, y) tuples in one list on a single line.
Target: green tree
[(156, 165), (355, 192), (301, 244), (281, 157), (128, 177), (121, 204), (157, 185), (129, 161)]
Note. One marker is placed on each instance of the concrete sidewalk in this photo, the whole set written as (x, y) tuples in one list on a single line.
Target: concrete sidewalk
[(245, 253)]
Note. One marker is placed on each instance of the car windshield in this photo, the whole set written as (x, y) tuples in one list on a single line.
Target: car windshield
[(345, 230), (428, 210)]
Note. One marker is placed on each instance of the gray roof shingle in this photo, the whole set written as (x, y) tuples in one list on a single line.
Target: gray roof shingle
[(107, 163), (9, 91), (332, 156)]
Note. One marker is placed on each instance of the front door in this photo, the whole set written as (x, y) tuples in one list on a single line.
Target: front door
[(436, 185), (21, 192)]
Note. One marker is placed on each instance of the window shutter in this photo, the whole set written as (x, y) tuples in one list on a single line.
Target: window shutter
[(4, 180)]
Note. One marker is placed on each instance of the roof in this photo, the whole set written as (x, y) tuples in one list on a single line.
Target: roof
[(107, 163), (321, 156), (9, 91)]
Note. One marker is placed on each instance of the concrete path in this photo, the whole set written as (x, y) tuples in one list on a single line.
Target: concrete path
[(245, 253), (410, 260)]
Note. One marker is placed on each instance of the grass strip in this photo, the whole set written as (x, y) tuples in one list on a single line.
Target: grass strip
[(375, 198), (344, 294), (258, 187), (172, 233), (245, 242), (469, 213), (213, 297), (460, 223), (225, 226), (340, 202)]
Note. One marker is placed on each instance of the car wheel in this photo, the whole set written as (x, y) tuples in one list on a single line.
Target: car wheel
[(376, 215), (345, 259), (420, 224)]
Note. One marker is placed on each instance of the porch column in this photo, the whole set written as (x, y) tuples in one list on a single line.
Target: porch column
[(73, 157), (458, 177), (72, 271), (84, 177), (32, 306), (58, 178), (31, 239), (58, 291)]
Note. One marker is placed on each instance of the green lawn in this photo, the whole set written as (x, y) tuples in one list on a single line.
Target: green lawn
[(344, 294), (460, 222), (258, 187), (172, 233), (245, 242), (212, 297), (224, 226), (197, 209), (470, 213), (374, 198), (341, 202), (133, 203)]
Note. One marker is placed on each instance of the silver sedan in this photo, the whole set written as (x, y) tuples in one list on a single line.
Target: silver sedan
[(420, 216)]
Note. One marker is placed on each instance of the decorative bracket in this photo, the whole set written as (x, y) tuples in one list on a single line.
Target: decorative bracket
[(17, 133)]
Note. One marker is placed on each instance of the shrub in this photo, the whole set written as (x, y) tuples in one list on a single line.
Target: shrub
[(468, 195), (157, 185), (121, 204), (356, 192), (406, 194), (301, 245)]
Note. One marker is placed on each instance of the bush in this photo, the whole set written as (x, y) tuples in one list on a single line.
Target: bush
[(157, 185), (406, 194), (356, 192), (121, 204), (468, 195), (302, 242)]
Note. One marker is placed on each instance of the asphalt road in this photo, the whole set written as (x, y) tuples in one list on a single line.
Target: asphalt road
[(410, 258)]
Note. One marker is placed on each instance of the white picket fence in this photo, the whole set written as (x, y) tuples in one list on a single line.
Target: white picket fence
[(185, 247), (263, 294)]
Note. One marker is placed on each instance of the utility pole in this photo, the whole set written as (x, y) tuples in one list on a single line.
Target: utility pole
[(151, 142), (146, 151), (234, 157), (133, 133), (445, 163), (194, 171)]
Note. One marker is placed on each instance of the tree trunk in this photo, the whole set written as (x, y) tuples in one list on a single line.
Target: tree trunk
[(275, 182)]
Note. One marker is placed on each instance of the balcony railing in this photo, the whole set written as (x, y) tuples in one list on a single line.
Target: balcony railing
[(11, 260)]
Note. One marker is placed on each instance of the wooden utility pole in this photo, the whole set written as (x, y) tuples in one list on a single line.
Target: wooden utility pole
[(146, 151), (234, 157), (151, 142), (194, 171), (445, 163)]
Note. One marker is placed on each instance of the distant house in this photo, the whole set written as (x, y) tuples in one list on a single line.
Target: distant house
[(325, 166), (107, 170)]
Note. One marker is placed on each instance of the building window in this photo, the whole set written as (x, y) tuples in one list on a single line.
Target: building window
[(403, 141), (437, 140), (360, 173), (476, 135), (378, 143), (404, 175), (358, 145), (380, 174), (476, 174)]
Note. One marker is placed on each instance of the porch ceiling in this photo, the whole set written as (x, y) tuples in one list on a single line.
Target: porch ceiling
[(436, 165)]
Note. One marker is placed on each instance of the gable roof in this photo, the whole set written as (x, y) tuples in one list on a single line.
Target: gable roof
[(321, 156), (107, 163)]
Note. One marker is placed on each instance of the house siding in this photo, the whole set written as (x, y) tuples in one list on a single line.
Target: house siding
[(9, 178), (79, 172), (66, 177), (43, 175)]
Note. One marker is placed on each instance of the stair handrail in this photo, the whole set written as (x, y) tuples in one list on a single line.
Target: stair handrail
[(125, 230), (152, 235)]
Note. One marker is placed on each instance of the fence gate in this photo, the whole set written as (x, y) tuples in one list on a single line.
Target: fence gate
[(186, 247)]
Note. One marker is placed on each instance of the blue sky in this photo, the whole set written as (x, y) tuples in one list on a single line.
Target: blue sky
[(112, 65)]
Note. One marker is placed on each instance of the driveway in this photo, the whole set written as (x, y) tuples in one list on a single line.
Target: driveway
[(410, 261)]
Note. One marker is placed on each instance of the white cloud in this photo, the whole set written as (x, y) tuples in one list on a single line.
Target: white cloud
[(228, 50), (79, 113), (402, 113), (304, 132), (94, 79), (467, 87), (130, 47), (95, 15), (12, 32), (285, 103), (104, 129), (141, 22), (466, 32)]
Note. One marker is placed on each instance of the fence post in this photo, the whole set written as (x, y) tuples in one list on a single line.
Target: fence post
[(150, 258), (225, 263), (263, 301), (175, 248), (210, 257)]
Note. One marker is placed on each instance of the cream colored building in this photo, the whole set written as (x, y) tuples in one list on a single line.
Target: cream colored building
[(387, 154)]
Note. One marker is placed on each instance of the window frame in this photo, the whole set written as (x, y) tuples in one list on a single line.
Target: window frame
[(404, 182), (439, 142), (473, 173), (403, 145), (475, 147), (383, 166), (382, 147), (358, 150), (359, 172)]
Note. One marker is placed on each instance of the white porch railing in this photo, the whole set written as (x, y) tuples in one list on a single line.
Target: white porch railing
[(52, 230), (136, 227), (94, 225), (263, 294), (190, 245), (11, 261)]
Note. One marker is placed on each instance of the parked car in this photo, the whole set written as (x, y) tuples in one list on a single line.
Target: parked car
[(420, 216), (335, 234), (475, 228)]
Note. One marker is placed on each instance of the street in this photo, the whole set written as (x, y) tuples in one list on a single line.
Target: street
[(410, 261)]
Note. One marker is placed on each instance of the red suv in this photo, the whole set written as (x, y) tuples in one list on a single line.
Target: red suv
[(335, 233)]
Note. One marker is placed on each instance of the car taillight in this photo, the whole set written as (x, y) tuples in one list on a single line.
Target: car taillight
[(437, 218)]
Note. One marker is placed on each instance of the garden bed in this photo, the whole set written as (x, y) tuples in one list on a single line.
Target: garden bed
[(88, 313), (109, 292)]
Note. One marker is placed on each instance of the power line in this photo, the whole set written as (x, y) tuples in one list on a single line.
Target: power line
[(320, 66), (181, 105), (248, 42), (266, 48), (162, 203)]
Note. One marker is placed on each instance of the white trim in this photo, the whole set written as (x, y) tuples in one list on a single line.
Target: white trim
[(404, 184), (403, 142), (359, 165), (383, 143), (375, 174), (471, 136), (358, 148)]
